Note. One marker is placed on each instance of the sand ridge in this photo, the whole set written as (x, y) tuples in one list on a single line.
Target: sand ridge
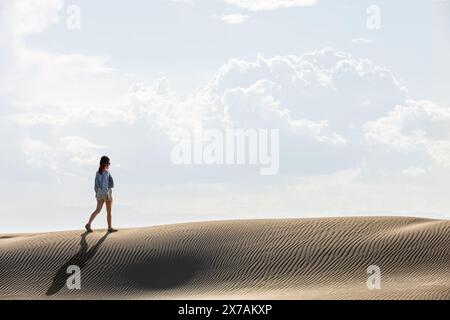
[(321, 258)]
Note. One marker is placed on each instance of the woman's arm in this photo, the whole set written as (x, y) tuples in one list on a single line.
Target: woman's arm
[(96, 184), (105, 184)]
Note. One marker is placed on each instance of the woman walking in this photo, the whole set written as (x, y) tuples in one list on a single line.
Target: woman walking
[(103, 192)]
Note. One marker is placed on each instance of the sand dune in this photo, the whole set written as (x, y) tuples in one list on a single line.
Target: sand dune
[(271, 259)]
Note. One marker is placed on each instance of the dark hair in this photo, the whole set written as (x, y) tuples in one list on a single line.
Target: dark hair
[(103, 162)]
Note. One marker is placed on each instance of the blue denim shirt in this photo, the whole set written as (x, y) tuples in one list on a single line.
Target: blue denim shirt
[(103, 182)]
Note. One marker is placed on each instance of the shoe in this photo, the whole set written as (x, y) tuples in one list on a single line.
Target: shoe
[(88, 228), (110, 230)]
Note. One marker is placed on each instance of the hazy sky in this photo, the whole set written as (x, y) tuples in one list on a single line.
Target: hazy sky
[(358, 90)]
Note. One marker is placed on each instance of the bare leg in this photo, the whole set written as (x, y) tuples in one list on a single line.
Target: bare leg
[(109, 213), (96, 212)]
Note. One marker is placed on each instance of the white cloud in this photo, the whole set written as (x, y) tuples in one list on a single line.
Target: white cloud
[(81, 150), (349, 130), (417, 125), (440, 151), (256, 107), (27, 17), (361, 40), (234, 18), (414, 171), (331, 109), (263, 5), (35, 77), (58, 154), (190, 2), (325, 94), (38, 153), (321, 102)]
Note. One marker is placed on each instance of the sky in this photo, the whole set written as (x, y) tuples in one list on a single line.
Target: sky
[(358, 91)]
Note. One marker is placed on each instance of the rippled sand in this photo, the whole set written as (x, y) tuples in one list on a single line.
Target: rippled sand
[(257, 259)]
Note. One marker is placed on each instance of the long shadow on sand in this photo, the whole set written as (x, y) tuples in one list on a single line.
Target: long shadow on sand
[(162, 273), (80, 259)]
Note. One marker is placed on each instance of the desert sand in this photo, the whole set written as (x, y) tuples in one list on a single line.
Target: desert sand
[(322, 258)]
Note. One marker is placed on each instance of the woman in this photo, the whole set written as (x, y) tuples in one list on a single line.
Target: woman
[(103, 192)]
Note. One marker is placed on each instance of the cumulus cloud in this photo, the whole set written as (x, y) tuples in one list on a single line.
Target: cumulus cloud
[(81, 150), (321, 102), (263, 5), (35, 77), (27, 17), (414, 171), (361, 40), (326, 104), (38, 153), (344, 121), (350, 132), (60, 155), (416, 125), (234, 18)]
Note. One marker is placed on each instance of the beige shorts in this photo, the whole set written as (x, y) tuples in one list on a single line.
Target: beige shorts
[(101, 196)]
